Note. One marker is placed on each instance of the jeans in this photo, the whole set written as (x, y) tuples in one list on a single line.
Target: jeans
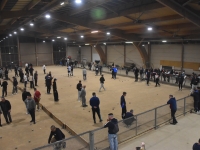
[(32, 113), (79, 92), (7, 116), (26, 108), (113, 141), (14, 89)]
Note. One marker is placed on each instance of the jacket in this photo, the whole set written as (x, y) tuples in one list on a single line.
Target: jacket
[(180, 78), (194, 81), (15, 83), (79, 86), (54, 86), (122, 101), (83, 93), (94, 101), (58, 135), (4, 84), (24, 95), (196, 146), (195, 95), (102, 80), (110, 125), (30, 104), (84, 71), (5, 106), (37, 95), (172, 103)]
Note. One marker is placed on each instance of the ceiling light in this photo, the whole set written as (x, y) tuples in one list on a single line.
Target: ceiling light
[(8, 53), (58, 37), (10, 34), (6, 37), (43, 41), (149, 28), (65, 38), (108, 33), (15, 32), (94, 31), (82, 36), (104, 43), (47, 16), (79, 46), (164, 41), (143, 45), (129, 42), (62, 3), (87, 44), (94, 45), (78, 1), (22, 29), (53, 40), (31, 24)]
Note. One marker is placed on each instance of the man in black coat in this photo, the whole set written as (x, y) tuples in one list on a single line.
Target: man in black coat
[(36, 78), (24, 97), (57, 133), (102, 80), (79, 87), (16, 71), (48, 84), (196, 97), (123, 105), (136, 74), (148, 74), (15, 83), (55, 92), (4, 89), (6, 74), (6, 109), (180, 81), (194, 82)]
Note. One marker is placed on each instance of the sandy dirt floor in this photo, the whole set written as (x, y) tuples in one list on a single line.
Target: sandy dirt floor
[(140, 97)]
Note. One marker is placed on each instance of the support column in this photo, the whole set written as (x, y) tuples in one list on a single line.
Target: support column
[(36, 56), (19, 52), (52, 60), (182, 57), (124, 54), (149, 55), (106, 54)]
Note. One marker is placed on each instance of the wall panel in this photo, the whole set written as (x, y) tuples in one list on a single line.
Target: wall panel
[(115, 53), (95, 55), (86, 53), (73, 52)]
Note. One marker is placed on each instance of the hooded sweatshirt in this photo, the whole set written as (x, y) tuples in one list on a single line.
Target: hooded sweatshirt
[(111, 125), (172, 103)]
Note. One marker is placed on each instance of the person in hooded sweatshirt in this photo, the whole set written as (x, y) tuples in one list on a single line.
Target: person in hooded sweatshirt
[(196, 146), (173, 107), (113, 128)]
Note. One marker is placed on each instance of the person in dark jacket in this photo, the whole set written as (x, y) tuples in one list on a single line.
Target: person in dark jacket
[(0, 116), (57, 133), (21, 74), (194, 82), (30, 104), (24, 97), (94, 103), (79, 87), (123, 105), (180, 81), (55, 92), (173, 107), (136, 74), (48, 84), (16, 71), (113, 128), (100, 70), (196, 97), (15, 83), (36, 78), (196, 146), (27, 71), (6, 109), (102, 83), (130, 116), (4, 89), (6, 74), (112, 69), (31, 70), (148, 74), (141, 73)]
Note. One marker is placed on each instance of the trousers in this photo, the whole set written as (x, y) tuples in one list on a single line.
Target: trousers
[(7, 116), (113, 141), (102, 86), (32, 113), (94, 111)]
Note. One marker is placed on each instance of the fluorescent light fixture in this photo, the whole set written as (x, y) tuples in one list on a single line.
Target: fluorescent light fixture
[(82, 36), (47, 16), (164, 41), (58, 37), (43, 41), (104, 43), (78, 1), (62, 3), (94, 31), (6, 37), (94, 45), (143, 45), (31, 24), (65, 38), (15, 32), (53, 40), (79, 46), (10, 34), (22, 29), (129, 42), (8, 53), (87, 44), (108, 33), (149, 28)]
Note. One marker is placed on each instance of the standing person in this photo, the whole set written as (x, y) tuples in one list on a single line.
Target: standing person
[(55, 92), (78, 87), (0, 116), (113, 128), (196, 96), (48, 84), (4, 89), (31, 70), (196, 146), (30, 103), (6, 109), (15, 83), (97, 70), (100, 70), (84, 74), (148, 74), (24, 97), (21, 74), (30, 78), (37, 97), (180, 81), (1, 73), (157, 80), (102, 83), (94, 103), (141, 73), (72, 68), (173, 107), (6, 73), (69, 70), (27, 70), (194, 82), (44, 69), (57, 133), (112, 73), (123, 105), (115, 72), (36, 78), (25, 80), (136, 74), (16, 71), (82, 95)]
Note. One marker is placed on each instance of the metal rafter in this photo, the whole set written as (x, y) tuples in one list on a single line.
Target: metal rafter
[(3, 3)]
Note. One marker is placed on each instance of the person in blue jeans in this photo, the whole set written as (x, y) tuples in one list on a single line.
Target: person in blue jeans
[(113, 128)]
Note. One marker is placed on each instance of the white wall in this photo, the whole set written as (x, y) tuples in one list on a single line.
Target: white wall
[(86, 53), (115, 53), (27, 52)]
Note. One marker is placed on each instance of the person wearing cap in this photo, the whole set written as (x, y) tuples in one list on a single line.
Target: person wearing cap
[(78, 87), (30, 103), (123, 105), (15, 83), (82, 95), (6, 109), (113, 128), (37, 97), (24, 97), (55, 92), (94, 103), (4, 89)]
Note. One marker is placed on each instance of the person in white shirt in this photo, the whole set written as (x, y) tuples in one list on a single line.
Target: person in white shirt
[(157, 80), (69, 70), (84, 73), (44, 69), (26, 65), (30, 78), (25, 80)]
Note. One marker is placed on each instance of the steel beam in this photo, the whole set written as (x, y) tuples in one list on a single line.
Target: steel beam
[(3, 3)]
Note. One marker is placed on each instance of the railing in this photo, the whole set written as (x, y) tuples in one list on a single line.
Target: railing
[(128, 128)]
